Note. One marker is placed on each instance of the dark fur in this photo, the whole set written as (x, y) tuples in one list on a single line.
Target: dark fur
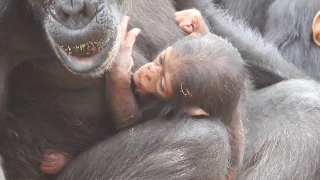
[(255, 13), (280, 118), (270, 17), (260, 56), (214, 78), (158, 149), (51, 108), (295, 41), (206, 71), (212, 74)]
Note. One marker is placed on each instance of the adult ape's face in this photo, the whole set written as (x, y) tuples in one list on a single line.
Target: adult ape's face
[(83, 33)]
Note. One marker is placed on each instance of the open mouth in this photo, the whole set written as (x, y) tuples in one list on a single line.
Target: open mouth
[(86, 57)]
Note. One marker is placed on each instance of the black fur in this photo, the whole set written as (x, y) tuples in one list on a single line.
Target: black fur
[(51, 108), (185, 148), (295, 41), (280, 118), (265, 63), (287, 24)]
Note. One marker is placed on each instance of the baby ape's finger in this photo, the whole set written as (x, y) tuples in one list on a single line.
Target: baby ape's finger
[(183, 13), (179, 19), (123, 27), (186, 26)]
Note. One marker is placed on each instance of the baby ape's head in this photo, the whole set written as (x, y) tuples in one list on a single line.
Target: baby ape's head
[(200, 71)]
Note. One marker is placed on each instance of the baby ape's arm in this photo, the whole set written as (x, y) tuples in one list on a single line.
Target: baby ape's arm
[(192, 22), (123, 104)]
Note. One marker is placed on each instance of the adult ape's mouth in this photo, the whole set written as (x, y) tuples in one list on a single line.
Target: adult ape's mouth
[(86, 57), (84, 34)]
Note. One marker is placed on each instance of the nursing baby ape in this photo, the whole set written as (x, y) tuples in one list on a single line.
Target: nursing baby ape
[(201, 74)]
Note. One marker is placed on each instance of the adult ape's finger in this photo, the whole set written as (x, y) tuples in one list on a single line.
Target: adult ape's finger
[(131, 38), (123, 27)]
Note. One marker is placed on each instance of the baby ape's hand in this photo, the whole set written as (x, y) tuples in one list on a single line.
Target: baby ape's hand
[(124, 62), (191, 22), (53, 162)]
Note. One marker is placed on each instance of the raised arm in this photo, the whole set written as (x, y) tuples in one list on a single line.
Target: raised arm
[(123, 105)]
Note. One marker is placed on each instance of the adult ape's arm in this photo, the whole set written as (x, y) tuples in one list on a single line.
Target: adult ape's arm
[(182, 148), (5, 6), (123, 105), (265, 62), (3, 84)]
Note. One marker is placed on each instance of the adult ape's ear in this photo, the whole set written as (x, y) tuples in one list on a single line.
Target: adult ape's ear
[(316, 29), (196, 111)]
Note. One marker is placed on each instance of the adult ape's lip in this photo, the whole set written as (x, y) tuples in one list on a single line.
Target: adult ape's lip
[(85, 64)]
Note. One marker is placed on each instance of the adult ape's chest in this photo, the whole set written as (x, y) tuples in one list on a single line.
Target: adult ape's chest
[(70, 110)]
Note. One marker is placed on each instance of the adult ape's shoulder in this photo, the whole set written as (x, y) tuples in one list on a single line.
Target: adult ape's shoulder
[(295, 41), (56, 89), (5, 6), (264, 61)]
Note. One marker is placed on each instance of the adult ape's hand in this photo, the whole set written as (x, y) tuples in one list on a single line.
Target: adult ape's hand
[(123, 64), (123, 106)]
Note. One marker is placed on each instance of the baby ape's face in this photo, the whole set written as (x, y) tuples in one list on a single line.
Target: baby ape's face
[(154, 77)]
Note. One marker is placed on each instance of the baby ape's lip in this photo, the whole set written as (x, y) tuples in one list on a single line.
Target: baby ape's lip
[(135, 78), (86, 64)]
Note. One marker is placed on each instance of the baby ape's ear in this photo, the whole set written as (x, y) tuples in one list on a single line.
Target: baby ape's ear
[(196, 111), (316, 29)]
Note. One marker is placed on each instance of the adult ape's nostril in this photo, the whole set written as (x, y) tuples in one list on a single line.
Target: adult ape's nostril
[(73, 8), (75, 14)]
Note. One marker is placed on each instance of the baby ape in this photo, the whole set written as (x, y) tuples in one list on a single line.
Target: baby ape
[(202, 75)]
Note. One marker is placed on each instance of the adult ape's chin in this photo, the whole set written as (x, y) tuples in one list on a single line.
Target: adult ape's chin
[(84, 35)]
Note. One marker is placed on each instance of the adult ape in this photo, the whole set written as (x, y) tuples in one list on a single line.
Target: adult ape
[(51, 106), (255, 13), (284, 108), (287, 126), (201, 75), (298, 42)]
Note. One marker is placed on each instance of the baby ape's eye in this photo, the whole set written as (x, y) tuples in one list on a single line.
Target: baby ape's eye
[(161, 85), (160, 60)]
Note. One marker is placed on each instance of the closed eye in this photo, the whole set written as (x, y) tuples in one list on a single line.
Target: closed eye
[(160, 61), (161, 85)]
